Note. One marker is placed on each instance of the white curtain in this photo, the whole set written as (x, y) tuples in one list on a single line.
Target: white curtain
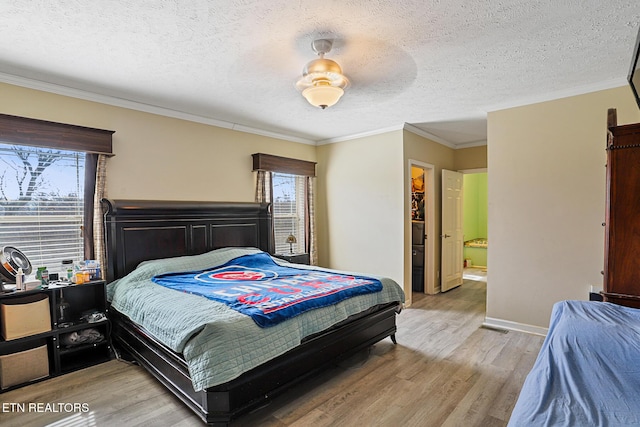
[(98, 226), (264, 193), (263, 187), (311, 213)]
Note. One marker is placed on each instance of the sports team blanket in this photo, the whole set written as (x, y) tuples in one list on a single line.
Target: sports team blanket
[(267, 292)]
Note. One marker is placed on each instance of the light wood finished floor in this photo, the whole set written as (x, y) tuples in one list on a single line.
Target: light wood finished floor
[(445, 371)]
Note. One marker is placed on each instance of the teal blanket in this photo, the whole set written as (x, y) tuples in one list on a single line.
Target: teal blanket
[(218, 343)]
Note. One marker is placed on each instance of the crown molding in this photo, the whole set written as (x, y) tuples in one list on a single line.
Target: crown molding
[(359, 135), (153, 109), (415, 130), (480, 143), (139, 106), (277, 135), (564, 93), (409, 128)]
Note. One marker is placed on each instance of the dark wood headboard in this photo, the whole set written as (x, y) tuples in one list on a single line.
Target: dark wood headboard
[(141, 230)]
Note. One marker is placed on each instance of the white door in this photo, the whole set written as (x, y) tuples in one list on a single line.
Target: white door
[(452, 236)]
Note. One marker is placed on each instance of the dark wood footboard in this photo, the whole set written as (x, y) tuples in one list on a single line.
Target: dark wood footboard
[(218, 405)]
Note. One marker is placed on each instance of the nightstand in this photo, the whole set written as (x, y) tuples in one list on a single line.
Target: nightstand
[(50, 332), (294, 258)]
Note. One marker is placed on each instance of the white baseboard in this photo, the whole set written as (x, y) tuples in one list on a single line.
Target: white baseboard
[(493, 323)]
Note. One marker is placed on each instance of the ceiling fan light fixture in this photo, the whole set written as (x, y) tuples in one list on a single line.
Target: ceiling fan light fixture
[(323, 96), (322, 82)]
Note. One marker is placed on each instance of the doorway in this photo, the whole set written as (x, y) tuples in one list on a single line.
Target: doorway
[(421, 187), (475, 214)]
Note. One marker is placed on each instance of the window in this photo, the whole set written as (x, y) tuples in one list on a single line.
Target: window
[(47, 185), (289, 212), (288, 184), (42, 203)]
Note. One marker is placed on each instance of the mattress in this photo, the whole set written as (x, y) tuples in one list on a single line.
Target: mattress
[(218, 343)]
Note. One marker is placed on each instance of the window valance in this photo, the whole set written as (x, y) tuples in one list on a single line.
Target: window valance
[(271, 163), (60, 136)]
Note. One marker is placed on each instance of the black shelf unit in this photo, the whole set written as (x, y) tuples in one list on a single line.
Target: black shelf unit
[(81, 299), (294, 258)]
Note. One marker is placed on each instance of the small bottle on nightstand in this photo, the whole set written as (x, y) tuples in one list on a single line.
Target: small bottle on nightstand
[(20, 280)]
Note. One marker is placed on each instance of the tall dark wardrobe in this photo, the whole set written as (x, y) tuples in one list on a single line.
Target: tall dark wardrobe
[(622, 217)]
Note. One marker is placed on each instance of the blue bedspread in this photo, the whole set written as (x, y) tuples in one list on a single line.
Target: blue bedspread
[(588, 370), (270, 293)]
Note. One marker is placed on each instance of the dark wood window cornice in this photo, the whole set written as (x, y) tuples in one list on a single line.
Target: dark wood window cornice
[(60, 136), (268, 162)]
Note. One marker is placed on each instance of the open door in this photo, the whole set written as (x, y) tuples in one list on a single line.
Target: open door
[(429, 242), (452, 235)]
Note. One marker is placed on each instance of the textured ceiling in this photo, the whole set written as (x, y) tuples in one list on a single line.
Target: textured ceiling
[(437, 65)]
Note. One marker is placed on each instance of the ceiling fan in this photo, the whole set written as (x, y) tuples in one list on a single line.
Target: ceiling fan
[(377, 70), (322, 82)]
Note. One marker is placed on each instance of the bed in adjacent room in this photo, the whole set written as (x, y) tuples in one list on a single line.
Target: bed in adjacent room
[(224, 350), (588, 370)]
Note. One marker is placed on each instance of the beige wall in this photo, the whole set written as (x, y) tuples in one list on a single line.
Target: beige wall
[(547, 201), (418, 148), (471, 158), (157, 157), (360, 205)]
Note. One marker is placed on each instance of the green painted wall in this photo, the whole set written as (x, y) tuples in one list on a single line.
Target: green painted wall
[(475, 207)]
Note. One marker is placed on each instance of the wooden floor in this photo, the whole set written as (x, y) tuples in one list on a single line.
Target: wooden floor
[(446, 370)]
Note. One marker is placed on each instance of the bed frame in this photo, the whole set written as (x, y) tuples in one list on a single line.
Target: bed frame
[(136, 231)]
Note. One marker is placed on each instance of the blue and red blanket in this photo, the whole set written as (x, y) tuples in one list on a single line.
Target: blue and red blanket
[(257, 286)]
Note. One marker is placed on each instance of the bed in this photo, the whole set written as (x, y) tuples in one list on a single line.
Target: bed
[(146, 240), (588, 370)]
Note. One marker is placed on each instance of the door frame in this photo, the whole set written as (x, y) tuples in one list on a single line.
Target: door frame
[(471, 172), (429, 224)]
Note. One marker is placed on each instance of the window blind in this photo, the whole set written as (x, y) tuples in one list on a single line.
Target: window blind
[(289, 212), (42, 203)]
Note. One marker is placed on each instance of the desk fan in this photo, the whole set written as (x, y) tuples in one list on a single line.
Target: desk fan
[(10, 260)]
